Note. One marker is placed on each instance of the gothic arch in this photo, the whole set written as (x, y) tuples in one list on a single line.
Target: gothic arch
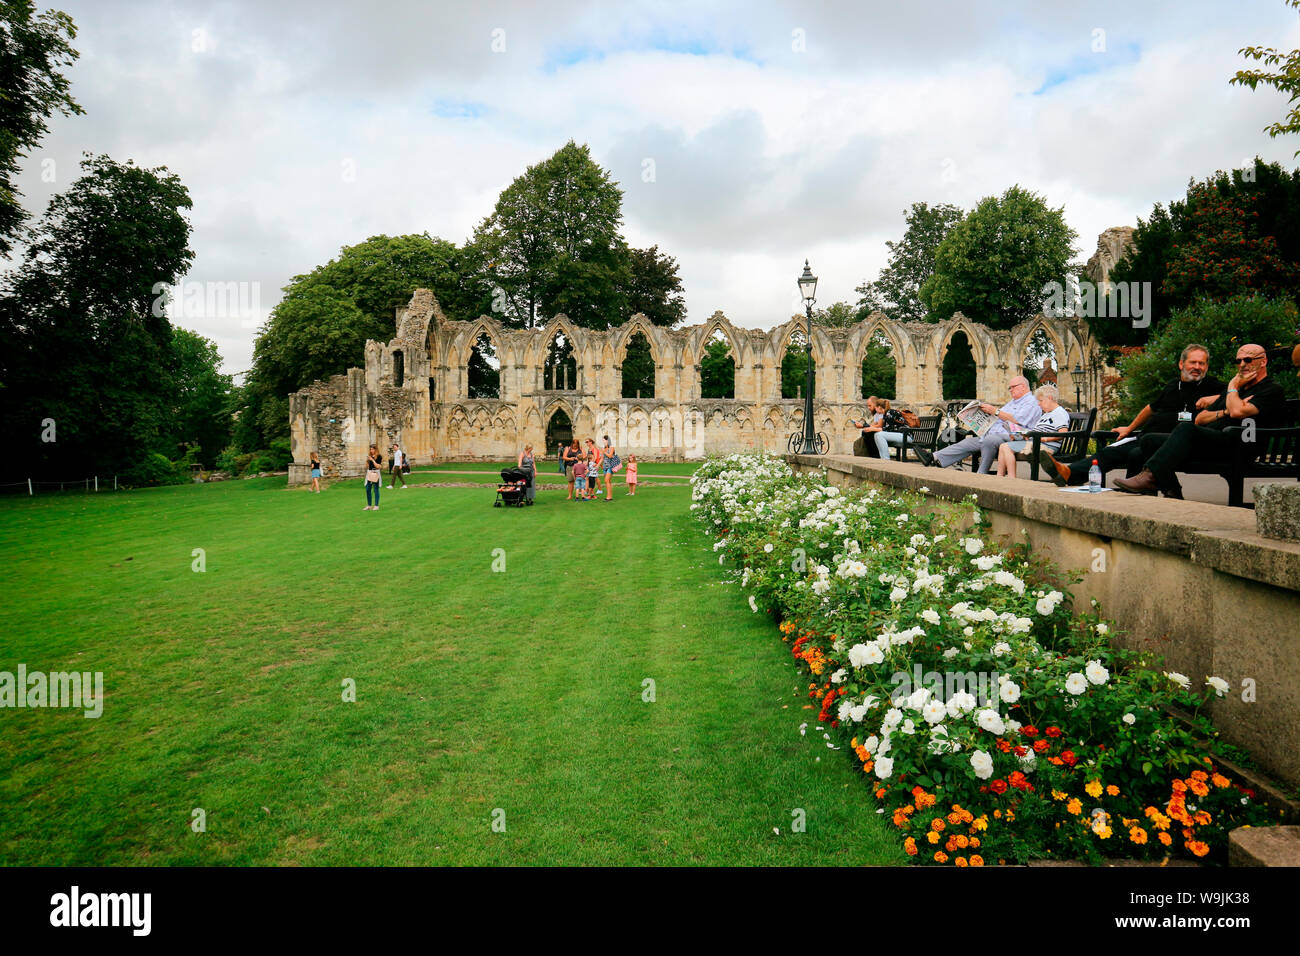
[(979, 345), (720, 323)]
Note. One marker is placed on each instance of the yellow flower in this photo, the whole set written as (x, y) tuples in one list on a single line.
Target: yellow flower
[(1074, 807), (1058, 795), (1093, 789), (932, 836)]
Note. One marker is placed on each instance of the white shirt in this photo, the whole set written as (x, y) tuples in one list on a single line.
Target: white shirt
[(399, 457)]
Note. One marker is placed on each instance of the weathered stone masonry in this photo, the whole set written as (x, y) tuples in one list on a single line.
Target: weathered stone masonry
[(340, 417)]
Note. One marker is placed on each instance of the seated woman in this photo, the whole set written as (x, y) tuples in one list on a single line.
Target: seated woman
[(1054, 419), (873, 427)]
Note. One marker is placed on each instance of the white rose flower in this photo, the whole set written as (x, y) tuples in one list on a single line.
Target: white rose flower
[(934, 711), (1129, 719), (1076, 683), (973, 546), (991, 721), (1000, 648), (768, 547), (884, 767), (1044, 606), (908, 726), (871, 743), (1181, 680), (1009, 692), (893, 717), (1102, 629), (1096, 673), (982, 763), (1219, 684), (897, 595), (839, 676), (930, 616)]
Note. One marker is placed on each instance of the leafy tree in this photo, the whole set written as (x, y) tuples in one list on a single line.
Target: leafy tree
[(1234, 233), (1285, 80), (959, 368), (638, 368), (993, 264), (81, 341), (483, 373), (1222, 327), (33, 49), (794, 367), (837, 315), (717, 371), (201, 396), (653, 287), (879, 371), (556, 224), (911, 262)]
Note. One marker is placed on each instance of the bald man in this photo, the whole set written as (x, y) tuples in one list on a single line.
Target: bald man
[(1020, 415), (1250, 395)]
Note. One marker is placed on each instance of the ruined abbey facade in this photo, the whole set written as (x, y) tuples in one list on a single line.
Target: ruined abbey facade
[(415, 389)]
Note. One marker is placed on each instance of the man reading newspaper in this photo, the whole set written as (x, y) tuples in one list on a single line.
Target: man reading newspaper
[(1018, 415)]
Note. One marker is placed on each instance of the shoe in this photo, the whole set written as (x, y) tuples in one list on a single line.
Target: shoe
[(1143, 483), (390, 487), (1176, 494), (1059, 473), (924, 456), (403, 487)]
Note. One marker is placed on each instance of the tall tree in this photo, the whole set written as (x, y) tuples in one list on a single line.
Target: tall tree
[(897, 292), (653, 288), (82, 344), (33, 49), (1285, 79), (555, 225), (201, 395), (993, 265)]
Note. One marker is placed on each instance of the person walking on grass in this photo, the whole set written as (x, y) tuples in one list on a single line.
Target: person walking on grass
[(315, 472), (570, 457), (374, 477), (631, 474), (608, 457), (395, 467), (528, 464)]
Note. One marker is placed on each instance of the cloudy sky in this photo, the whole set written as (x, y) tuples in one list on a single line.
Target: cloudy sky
[(746, 136)]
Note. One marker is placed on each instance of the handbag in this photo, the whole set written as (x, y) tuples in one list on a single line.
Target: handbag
[(615, 463), (372, 474)]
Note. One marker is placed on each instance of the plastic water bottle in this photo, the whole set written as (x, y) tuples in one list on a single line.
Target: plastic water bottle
[(1094, 478)]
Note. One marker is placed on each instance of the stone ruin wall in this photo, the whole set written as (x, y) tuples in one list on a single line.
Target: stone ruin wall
[(339, 417)]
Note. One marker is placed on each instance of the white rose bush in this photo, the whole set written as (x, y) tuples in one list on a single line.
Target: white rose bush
[(992, 724)]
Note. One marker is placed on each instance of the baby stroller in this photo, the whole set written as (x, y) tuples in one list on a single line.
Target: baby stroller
[(513, 490)]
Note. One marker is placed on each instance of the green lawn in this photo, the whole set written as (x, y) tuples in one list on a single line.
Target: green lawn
[(476, 690)]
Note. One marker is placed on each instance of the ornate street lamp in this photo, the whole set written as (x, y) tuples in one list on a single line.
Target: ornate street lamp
[(1077, 374), (808, 289)]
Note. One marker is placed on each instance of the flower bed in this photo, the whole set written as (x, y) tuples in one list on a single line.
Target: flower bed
[(992, 723)]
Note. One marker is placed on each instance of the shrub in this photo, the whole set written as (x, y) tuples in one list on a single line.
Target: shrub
[(1222, 327), (156, 469)]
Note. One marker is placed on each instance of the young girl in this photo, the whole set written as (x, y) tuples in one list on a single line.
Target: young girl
[(570, 457), (374, 477), (315, 472), (631, 474)]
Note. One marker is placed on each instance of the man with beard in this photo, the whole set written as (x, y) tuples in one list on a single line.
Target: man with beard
[(1193, 390), (1250, 395)]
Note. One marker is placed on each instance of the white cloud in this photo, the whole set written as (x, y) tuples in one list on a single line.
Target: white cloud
[(763, 156)]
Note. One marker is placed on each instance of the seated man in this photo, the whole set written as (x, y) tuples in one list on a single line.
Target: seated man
[(1020, 414), (1192, 391), (1251, 394)]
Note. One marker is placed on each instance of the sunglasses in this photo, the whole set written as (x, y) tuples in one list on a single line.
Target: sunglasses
[(1249, 358)]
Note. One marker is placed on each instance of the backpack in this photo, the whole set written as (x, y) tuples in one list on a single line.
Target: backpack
[(910, 419)]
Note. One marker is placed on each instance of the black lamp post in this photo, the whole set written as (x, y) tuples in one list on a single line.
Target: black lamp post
[(1077, 374), (808, 289)]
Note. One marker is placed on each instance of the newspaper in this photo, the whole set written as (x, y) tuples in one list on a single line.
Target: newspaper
[(975, 419)]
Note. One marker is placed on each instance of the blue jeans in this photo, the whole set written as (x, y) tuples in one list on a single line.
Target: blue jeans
[(885, 439), (375, 485)]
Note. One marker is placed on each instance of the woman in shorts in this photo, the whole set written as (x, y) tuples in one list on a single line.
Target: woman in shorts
[(315, 472)]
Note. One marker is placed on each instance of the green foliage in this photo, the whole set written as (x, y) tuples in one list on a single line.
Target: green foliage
[(154, 469), (959, 368), (638, 368), (33, 49), (201, 410), (482, 377), (717, 371), (794, 367), (83, 338), (653, 288), (1222, 327), (1285, 79), (837, 315), (1234, 233), (911, 262), (992, 265), (879, 371)]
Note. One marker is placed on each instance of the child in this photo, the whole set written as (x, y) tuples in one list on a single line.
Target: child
[(580, 478), (631, 474)]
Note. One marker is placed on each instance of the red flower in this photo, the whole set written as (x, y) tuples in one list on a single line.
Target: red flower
[(998, 786), (1021, 751), (1040, 746), (1069, 757), (1029, 731), (1053, 731)]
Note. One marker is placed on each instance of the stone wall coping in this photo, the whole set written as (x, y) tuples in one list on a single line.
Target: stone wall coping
[(1213, 536)]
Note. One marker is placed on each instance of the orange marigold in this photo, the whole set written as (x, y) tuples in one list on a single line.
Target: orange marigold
[(960, 861), (1220, 781), (1112, 790), (1138, 835), (910, 846), (1164, 838), (937, 824), (932, 837), (940, 857), (976, 860), (1198, 848)]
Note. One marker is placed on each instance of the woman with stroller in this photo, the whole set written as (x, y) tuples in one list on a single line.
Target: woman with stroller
[(527, 463)]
